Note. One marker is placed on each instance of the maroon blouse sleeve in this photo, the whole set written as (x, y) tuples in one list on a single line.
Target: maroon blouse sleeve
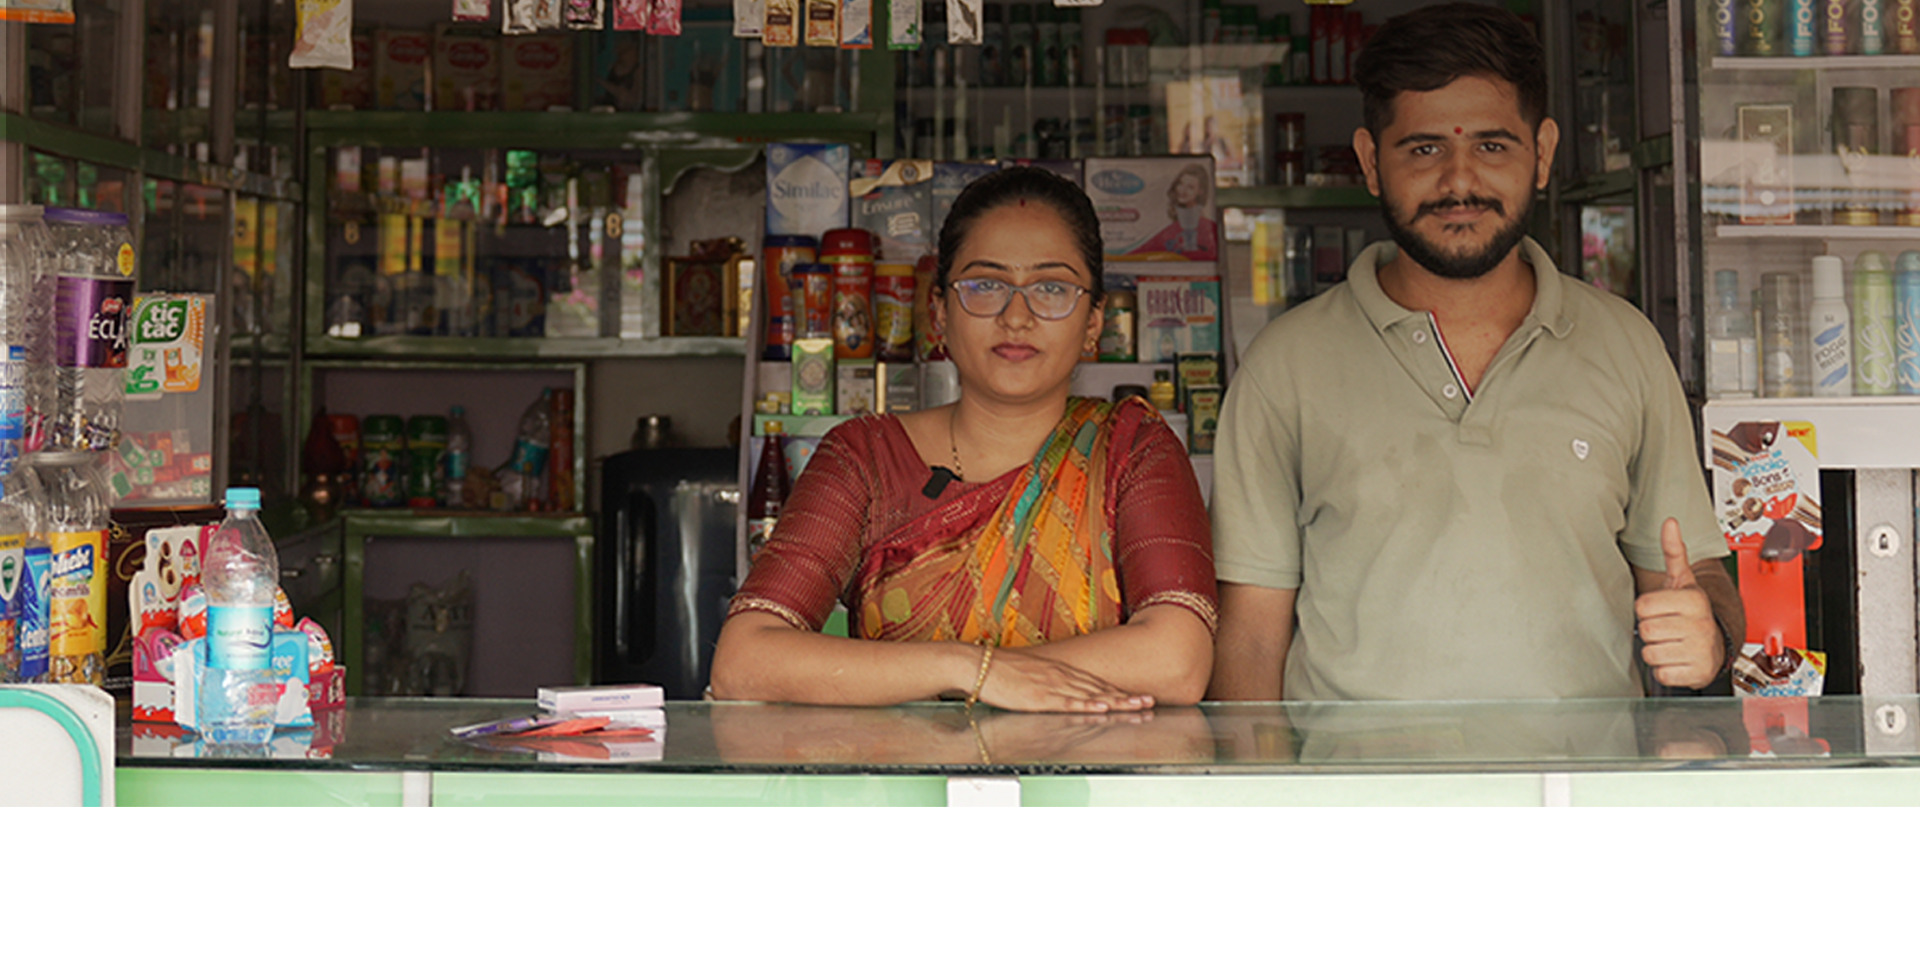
[(1163, 541), (818, 542)]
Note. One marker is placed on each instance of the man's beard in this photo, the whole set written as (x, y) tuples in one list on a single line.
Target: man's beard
[(1456, 266)]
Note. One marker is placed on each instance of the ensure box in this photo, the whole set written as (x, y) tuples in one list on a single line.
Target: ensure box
[(1155, 208), (949, 178), (536, 71), (466, 68), (806, 188), (1177, 315), (400, 68), (893, 200)]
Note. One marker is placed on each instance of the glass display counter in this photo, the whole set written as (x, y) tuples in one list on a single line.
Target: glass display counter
[(1826, 751)]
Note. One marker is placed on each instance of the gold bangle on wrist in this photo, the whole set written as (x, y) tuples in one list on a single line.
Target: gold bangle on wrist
[(986, 660)]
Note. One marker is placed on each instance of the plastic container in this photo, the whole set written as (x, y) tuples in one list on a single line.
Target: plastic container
[(849, 253), (813, 284), (893, 294), (426, 460), (93, 293), (522, 478), (76, 516), (383, 451), (240, 574), (1733, 354), (781, 254), (459, 458), (26, 323)]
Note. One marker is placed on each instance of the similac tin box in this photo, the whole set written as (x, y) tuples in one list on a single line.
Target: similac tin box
[(1155, 208), (893, 200), (536, 71), (400, 68), (806, 188), (466, 68)]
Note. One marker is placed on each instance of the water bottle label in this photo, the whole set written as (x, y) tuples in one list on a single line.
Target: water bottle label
[(13, 404), (33, 628), (239, 638), (77, 607), (90, 317)]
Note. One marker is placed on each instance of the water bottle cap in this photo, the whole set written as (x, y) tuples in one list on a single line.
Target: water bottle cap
[(243, 498)]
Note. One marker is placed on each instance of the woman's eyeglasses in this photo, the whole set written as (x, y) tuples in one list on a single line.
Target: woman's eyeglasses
[(1046, 299)]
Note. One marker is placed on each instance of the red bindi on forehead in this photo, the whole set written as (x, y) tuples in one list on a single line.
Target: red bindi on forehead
[(1458, 131)]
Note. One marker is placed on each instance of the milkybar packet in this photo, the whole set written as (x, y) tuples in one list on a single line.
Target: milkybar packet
[(474, 11), (903, 27), (963, 21), (523, 16), (323, 36), (823, 23), (749, 17), (664, 19), (630, 14), (585, 14), (783, 23)]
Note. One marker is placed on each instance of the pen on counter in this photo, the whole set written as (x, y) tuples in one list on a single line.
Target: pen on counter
[(514, 725)]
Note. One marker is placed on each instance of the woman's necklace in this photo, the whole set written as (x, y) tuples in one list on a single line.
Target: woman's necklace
[(953, 445)]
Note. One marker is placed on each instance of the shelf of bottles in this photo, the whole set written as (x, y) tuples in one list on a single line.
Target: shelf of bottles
[(1809, 193)]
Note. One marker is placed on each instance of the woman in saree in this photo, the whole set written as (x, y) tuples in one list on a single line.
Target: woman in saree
[(1020, 547)]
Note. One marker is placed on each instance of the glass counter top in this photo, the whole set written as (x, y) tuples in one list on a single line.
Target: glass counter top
[(1211, 739)]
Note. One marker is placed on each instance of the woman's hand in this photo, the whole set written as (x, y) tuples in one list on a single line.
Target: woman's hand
[(1018, 680)]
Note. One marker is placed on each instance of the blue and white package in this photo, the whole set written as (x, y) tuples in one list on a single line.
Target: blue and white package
[(35, 627), (289, 666), (806, 188)]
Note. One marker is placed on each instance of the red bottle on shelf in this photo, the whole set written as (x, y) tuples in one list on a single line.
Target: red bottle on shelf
[(770, 487)]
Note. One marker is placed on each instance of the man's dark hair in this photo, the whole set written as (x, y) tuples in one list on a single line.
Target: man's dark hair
[(1015, 184), (1431, 47)]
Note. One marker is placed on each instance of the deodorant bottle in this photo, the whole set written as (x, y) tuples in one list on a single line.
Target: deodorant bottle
[(1832, 330)]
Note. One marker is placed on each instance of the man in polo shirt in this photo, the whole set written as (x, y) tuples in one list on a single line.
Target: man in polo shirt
[(1461, 475)]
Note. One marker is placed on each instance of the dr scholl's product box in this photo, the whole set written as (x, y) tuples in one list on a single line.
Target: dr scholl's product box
[(1155, 208), (806, 188)]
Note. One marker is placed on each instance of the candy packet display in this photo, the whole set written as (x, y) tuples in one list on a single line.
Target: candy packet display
[(630, 14), (1774, 669), (664, 19), (323, 35), (473, 11), (584, 14)]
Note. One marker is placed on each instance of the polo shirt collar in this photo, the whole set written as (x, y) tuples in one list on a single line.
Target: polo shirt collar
[(1384, 312)]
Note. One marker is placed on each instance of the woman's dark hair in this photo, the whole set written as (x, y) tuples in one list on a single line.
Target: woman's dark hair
[(1013, 184), (1431, 47)]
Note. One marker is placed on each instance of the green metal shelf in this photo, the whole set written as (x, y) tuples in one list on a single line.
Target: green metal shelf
[(577, 131), (107, 151), (520, 348), (1296, 197)]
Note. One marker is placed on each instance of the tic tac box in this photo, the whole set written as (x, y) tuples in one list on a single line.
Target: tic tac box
[(466, 68), (400, 59), (536, 71), (893, 200), (806, 188), (1177, 315), (1155, 208)]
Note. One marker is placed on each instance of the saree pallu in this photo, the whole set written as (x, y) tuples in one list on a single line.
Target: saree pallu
[(1010, 567)]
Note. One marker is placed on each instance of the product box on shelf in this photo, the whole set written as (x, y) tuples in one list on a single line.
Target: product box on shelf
[(1177, 315), (165, 452), (466, 68), (351, 88), (857, 390), (813, 377), (949, 178), (536, 71), (400, 59), (1155, 208), (893, 200), (806, 188)]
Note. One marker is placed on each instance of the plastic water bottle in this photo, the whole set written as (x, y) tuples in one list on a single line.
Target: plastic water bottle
[(76, 516), (459, 455), (241, 569), (1733, 354), (23, 493), (522, 479), (26, 325), (93, 267)]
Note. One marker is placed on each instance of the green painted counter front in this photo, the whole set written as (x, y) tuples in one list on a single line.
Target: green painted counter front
[(1834, 751)]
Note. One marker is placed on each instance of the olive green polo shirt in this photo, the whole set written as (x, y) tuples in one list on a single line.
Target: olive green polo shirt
[(1446, 547)]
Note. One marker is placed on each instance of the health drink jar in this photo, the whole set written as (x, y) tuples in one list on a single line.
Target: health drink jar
[(383, 451), (93, 263), (76, 516), (893, 293), (782, 253), (813, 284), (848, 251), (426, 460)]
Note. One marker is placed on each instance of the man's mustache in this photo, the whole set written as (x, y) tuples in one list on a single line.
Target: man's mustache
[(1470, 201)]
